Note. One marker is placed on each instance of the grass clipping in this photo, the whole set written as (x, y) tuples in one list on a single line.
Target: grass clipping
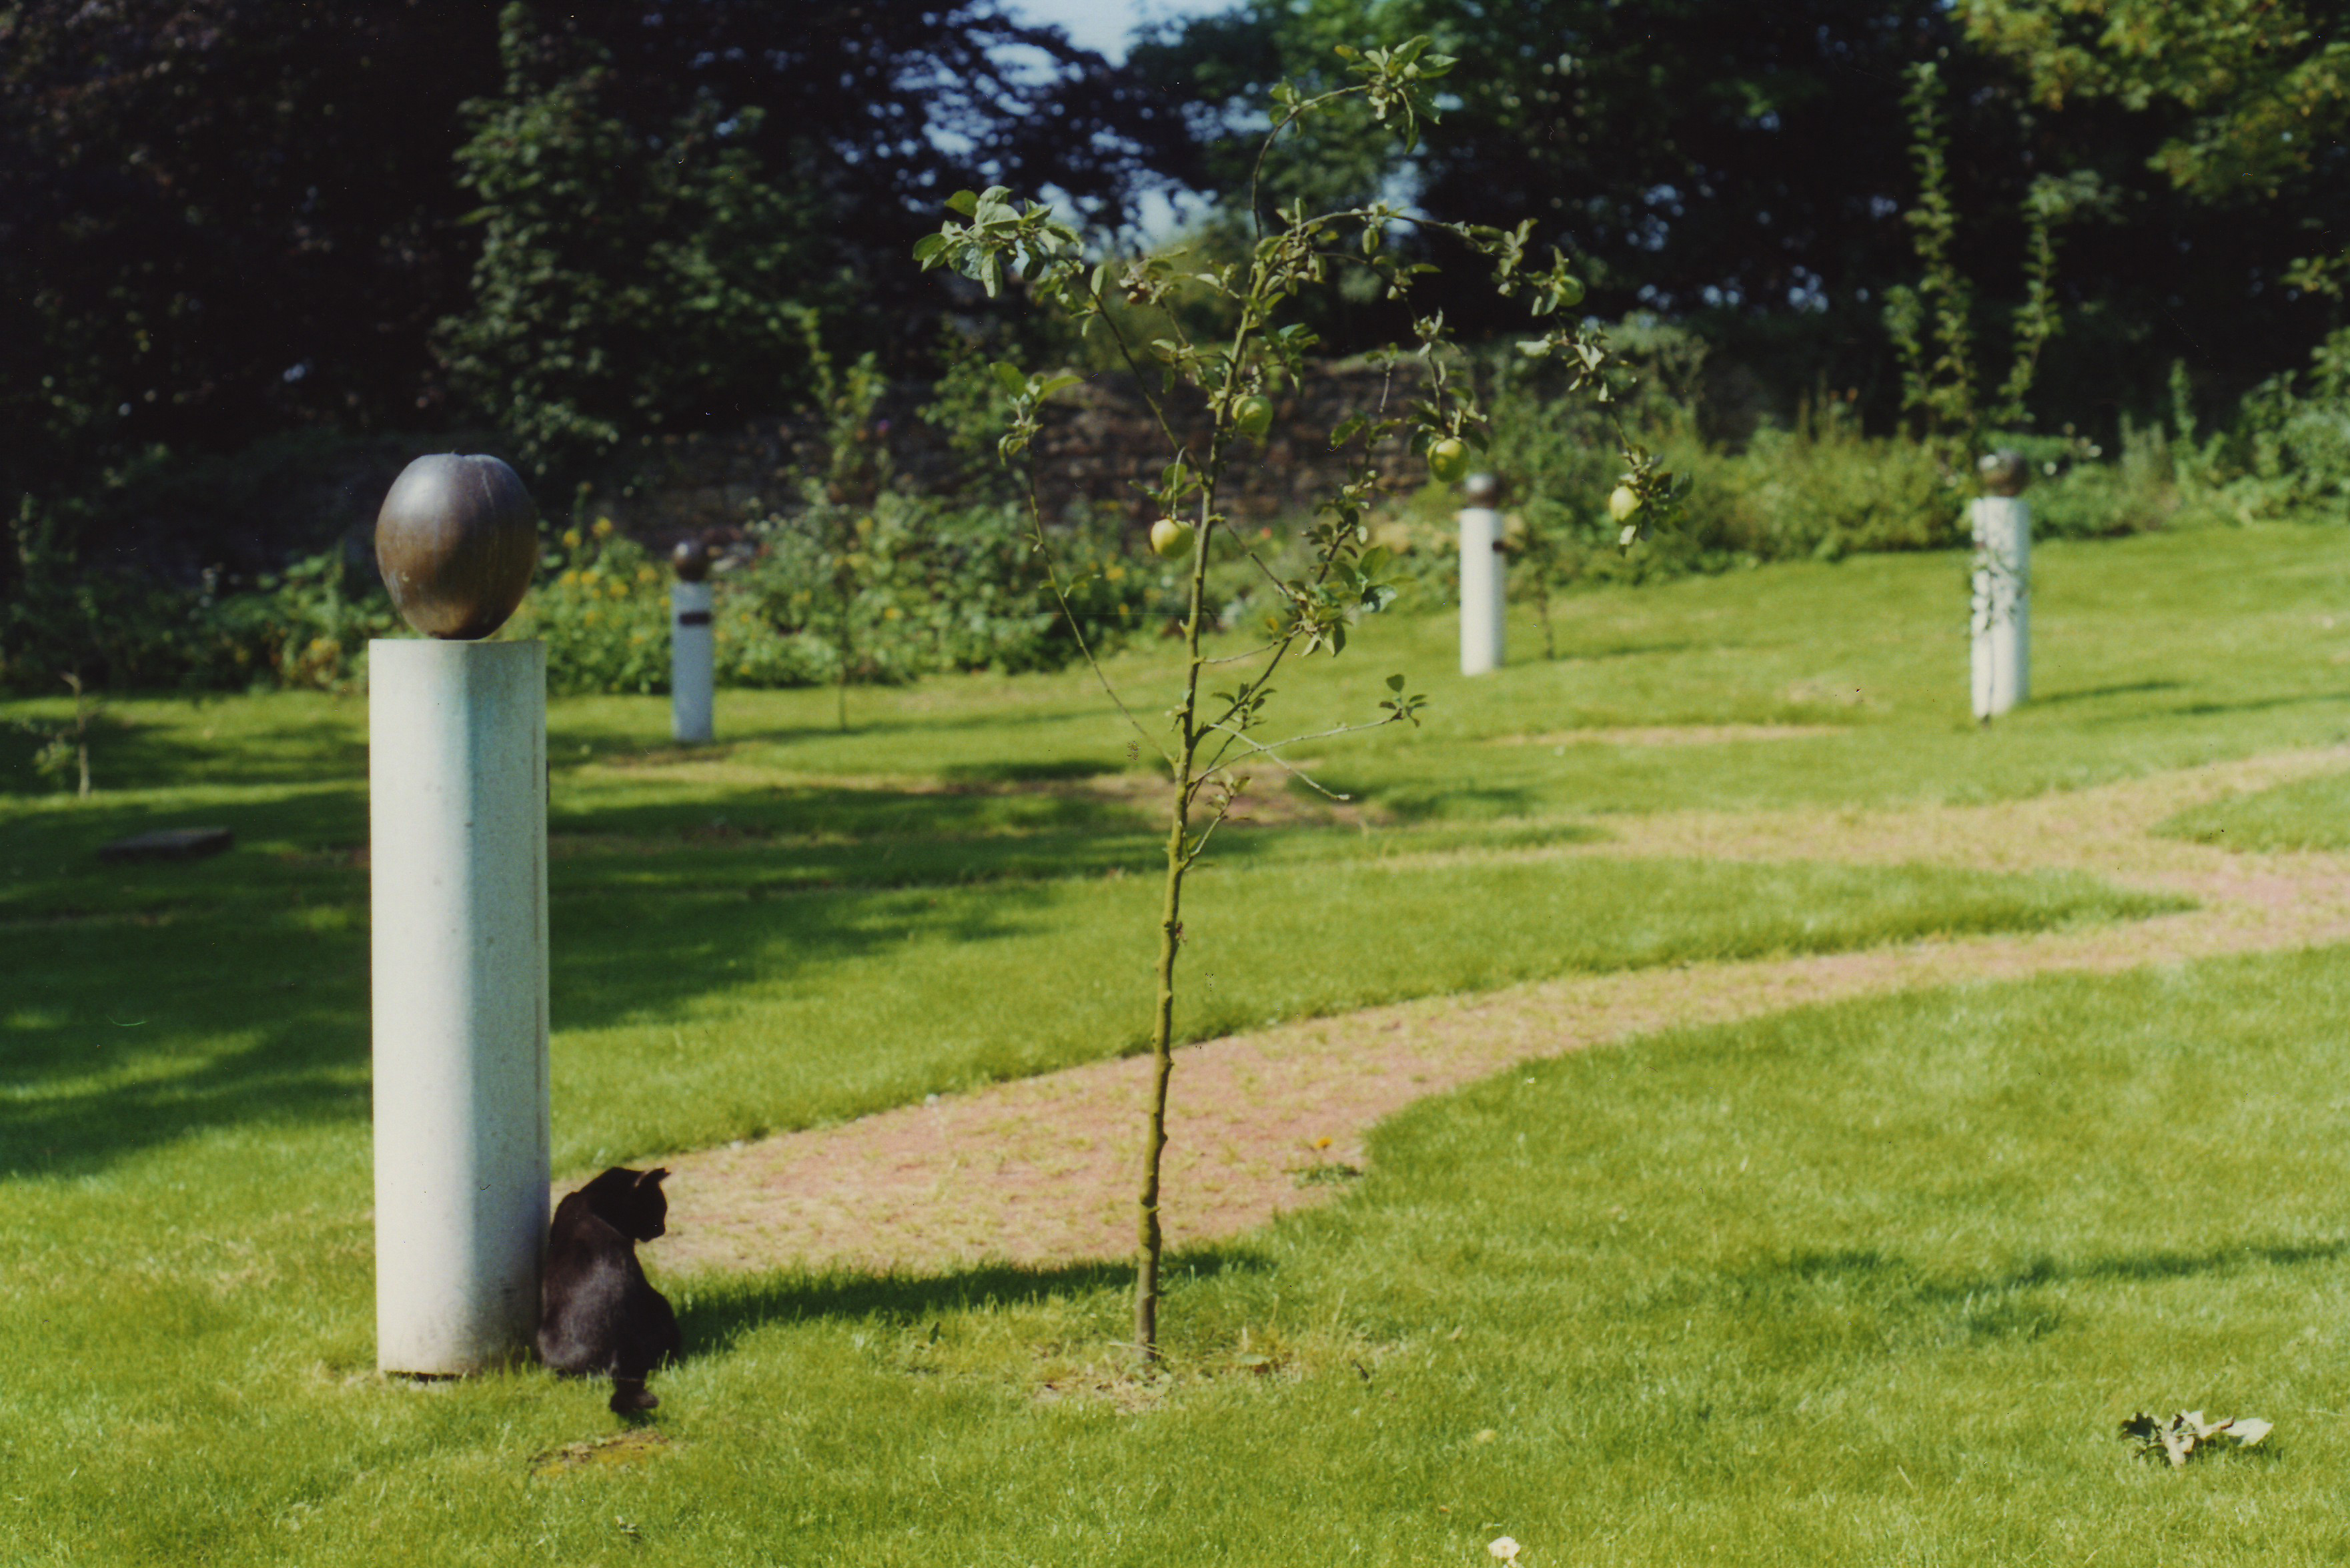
[(2178, 1438)]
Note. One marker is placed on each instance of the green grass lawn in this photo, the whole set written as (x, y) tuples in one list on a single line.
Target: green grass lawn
[(1869, 1283), (2308, 813)]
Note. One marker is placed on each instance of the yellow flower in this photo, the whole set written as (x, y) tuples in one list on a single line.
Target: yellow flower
[(647, 575), (890, 614), (591, 617), (571, 539), (1115, 573), (569, 579), (603, 527)]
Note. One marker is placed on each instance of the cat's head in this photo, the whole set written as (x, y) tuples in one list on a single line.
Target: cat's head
[(631, 1201)]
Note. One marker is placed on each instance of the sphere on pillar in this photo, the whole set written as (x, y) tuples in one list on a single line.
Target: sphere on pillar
[(457, 825), (2002, 616), (456, 540), (2003, 472), (1484, 576), (692, 675)]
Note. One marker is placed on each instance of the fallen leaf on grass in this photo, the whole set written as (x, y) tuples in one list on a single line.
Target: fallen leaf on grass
[(2178, 1438)]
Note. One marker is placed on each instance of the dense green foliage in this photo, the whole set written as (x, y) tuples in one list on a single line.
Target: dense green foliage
[(219, 220), (1742, 167), (623, 279), (227, 239), (934, 588), (2260, 93)]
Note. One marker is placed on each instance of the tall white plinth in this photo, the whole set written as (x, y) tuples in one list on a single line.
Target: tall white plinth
[(457, 816), (693, 657), (2002, 604), (1485, 577)]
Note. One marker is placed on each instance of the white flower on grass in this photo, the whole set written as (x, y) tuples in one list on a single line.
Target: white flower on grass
[(1502, 1547)]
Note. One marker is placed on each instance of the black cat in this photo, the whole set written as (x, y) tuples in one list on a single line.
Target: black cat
[(597, 1313)]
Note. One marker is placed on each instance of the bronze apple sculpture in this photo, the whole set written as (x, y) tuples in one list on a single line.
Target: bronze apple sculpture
[(2003, 472), (456, 541), (691, 560)]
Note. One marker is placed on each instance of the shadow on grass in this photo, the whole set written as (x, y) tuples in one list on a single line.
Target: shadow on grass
[(1413, 804), (131, 750), (2091, 693), (716, 1311), (790, 810), (2260, 705), (136, 1048), (64, 832), (1869, 1266), (1018, 772), (570, 727)]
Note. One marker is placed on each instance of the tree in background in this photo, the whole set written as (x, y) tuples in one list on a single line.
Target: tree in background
[(2257, 91), (223, 218), (1933, 325), (1740, 167), (628, 277), (1701, 155)]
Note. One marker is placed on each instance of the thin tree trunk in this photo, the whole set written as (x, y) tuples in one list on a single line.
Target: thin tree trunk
[(1152, 1234)]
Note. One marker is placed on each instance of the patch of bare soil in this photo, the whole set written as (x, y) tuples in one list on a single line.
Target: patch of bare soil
[(621, 1448), (1039, 1171)]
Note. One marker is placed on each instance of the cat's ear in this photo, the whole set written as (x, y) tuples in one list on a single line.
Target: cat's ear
[(650, 1178)]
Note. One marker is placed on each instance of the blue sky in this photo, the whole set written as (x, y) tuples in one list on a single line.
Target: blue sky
[(1105, 24)]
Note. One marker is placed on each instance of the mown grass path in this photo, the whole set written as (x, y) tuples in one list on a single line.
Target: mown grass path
[(1036, 1171)]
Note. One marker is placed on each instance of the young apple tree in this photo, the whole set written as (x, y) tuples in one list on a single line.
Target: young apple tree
[(1219, 719)]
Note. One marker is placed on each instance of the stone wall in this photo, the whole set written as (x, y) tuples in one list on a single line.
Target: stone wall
[(1098, 439)]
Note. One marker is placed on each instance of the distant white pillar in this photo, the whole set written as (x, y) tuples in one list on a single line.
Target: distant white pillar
[(2002, 604), (1484, 579), (457, 801), (693, 658)]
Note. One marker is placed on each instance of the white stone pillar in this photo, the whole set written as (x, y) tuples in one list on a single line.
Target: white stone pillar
[(1484, 579), (2002, 604), (692, 653), (457, 801)]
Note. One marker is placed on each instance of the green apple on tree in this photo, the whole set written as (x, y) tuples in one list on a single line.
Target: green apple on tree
[(1169, 539), (1252, 415), (1448, 460)]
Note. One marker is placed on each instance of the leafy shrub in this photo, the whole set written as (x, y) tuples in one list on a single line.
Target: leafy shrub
[(1822, 490), (305, 628), (61, 618), (1826, 491), (2292, 435), (909, 586), (601, 606), (2074, 496)]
